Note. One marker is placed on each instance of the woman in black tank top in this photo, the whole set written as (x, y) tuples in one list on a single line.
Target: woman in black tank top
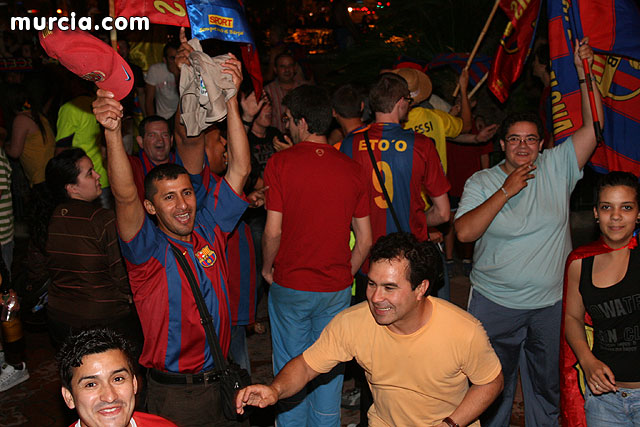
[(607, 287)]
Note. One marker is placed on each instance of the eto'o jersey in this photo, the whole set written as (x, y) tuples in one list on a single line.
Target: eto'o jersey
[(175, 340), (408, 163)]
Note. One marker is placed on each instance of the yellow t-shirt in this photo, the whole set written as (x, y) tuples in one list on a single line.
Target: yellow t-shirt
[(417, 379), (435, 124), (38, 150), (76, 118)]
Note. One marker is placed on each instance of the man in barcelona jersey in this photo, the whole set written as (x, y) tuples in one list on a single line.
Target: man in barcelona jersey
[(182, 378)]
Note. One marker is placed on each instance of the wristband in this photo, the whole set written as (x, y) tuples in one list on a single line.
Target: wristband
[(505, 193), (448, 421), (581, 81), (246, 123)]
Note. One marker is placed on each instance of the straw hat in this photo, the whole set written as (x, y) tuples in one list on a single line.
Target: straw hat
[(418, 82)]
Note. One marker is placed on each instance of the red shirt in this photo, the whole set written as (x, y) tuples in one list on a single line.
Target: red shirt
[(142, 419), (318, 190), (465, 162)]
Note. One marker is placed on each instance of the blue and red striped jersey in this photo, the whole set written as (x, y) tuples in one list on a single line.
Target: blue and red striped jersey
[(408, 163), (175, 340), (241, 260)]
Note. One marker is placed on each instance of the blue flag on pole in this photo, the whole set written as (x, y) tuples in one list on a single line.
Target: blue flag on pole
[(218, 19)]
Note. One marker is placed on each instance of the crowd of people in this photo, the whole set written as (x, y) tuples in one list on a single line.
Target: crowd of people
[(335, 205)]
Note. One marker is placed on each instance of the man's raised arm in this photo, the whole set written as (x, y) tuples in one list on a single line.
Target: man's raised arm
[(129, 211), (190, 149), (584, 139), (238, 154)]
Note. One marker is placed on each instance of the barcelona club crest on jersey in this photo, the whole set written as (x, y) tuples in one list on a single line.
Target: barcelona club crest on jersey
[(206, 257)]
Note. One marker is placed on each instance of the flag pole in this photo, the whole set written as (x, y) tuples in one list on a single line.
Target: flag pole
[(112, 34), (477, 86), (592, 100), (480, 38)]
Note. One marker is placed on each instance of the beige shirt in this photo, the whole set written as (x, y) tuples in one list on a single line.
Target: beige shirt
[(416, 379)]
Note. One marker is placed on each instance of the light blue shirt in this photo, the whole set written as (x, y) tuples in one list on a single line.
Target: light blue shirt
[(519, 260)]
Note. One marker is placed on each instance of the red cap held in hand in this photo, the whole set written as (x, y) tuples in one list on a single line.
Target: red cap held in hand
[(90, 58)]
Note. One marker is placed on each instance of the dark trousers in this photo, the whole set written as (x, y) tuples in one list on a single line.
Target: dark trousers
[(188, 405)]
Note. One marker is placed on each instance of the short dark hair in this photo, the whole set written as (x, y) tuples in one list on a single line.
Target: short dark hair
[(386, 92), (170, 45), (347, 101), (283, 55), (62, 170), (424, 259), (616, 178), (150, 119), (513, 118), (160, 172), (312, 104), (85, 343)]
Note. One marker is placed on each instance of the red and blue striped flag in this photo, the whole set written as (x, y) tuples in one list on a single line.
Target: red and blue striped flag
[(617, 77), (613, 28)]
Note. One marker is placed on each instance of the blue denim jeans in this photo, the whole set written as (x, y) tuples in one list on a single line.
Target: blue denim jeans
[(528, 341), (297, 319), (613, 409), (238, 349)]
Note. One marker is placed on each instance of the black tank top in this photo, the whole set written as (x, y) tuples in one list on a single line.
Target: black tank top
[(615, 312)]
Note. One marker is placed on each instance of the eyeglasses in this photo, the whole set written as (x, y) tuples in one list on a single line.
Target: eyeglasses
[(516, 140), (408, 99)]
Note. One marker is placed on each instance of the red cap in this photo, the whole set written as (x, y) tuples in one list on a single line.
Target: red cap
[(90, 58)]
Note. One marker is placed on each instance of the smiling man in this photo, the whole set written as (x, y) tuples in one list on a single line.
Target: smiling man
[(155, 142), (419, 353), (517, 212), (182, 377), (98, 381)]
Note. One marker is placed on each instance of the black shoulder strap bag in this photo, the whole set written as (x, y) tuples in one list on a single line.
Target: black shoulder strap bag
[(232, 376), (374, 163)]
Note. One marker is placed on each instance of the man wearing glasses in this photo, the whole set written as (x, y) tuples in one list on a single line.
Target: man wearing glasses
[(518, 214), (408, 163)]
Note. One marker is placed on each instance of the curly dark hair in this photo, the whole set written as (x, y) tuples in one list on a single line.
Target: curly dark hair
[(616, 178), (85, 343), (424, 259)]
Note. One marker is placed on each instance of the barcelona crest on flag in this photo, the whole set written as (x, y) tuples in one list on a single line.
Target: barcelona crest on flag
[(206, 257)]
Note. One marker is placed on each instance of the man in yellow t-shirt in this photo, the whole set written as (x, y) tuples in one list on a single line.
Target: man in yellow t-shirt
[(419, 352), (434, 123)]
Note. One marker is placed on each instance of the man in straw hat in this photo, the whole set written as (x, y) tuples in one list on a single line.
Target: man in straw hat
[(432, 122)]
